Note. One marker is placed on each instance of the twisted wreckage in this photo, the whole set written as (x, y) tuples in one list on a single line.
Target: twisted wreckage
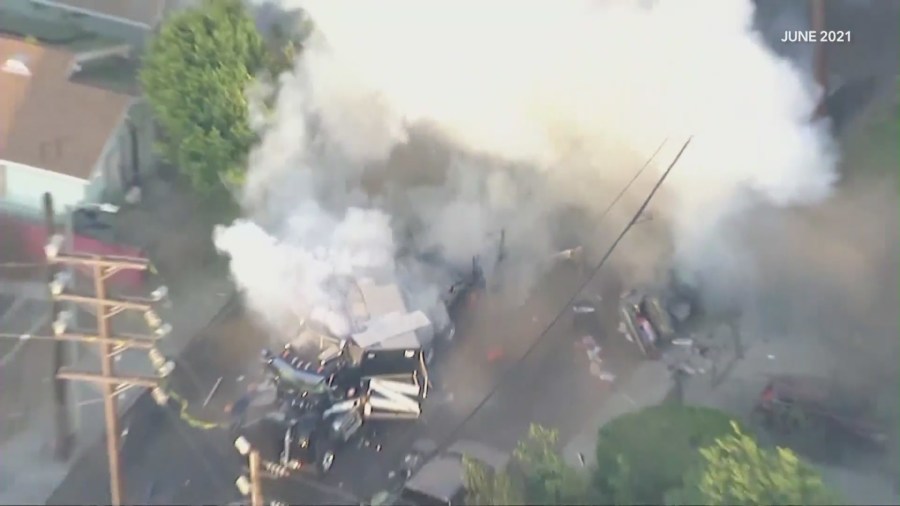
[(320, 390)]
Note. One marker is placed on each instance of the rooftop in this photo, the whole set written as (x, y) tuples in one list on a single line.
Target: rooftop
[(135, 12), (393, 331), (48, 120)]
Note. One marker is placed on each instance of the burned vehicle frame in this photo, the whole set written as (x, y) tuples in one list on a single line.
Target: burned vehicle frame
[(320, 390), (793, 402)]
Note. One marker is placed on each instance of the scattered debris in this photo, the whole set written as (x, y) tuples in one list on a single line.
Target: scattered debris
[(607, 376), (378, 448), (240, 378), (683, 341), (391, 475), (382, 497), (771, 357), (212, 392), (687, 369)]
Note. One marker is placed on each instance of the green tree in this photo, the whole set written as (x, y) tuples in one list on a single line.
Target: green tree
[(194, 75), (537, 475), (640, 456), (735, 470), (488, 487), (547, 479)]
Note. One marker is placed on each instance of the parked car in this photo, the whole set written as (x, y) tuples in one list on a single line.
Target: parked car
[(31, 236), (646, 320), (791, 402)]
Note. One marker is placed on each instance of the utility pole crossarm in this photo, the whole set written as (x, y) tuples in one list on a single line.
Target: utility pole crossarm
[(143, 343), (112, 262), (142, 381), (108, 303)]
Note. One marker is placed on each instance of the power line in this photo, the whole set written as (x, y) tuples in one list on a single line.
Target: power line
[(546, 332), (633, 179), (21, 265)]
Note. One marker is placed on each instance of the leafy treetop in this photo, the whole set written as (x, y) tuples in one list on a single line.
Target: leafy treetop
[(194, 75)]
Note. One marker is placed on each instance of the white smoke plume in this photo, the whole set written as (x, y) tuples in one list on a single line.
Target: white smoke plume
[(515, 111)]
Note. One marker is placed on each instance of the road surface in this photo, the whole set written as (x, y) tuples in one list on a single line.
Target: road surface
[(166, 461)]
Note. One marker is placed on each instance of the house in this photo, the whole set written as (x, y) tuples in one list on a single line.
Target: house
[(128, 21), (63, 130)]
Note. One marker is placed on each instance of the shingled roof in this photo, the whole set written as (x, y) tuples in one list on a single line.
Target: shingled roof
[(141, 12), (48, 121)]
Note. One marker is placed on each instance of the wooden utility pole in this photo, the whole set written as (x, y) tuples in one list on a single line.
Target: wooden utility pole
[(820, 54), (259, 469), (110, 404), (64, 436), (111, 385), (256, 496)]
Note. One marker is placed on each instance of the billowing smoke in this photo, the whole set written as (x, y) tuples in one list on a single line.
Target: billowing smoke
[(467, 121)]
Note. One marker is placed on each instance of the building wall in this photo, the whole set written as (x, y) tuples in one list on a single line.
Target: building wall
[(25, 186), (117, 167)]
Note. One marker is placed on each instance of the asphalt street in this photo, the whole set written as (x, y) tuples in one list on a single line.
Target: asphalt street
[(167, 461)]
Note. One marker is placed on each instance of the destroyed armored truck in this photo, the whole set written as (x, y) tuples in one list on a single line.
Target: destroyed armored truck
[(321, 389)]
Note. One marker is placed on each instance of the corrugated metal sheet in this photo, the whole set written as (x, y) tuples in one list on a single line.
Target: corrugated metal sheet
[(381, 300), (395, 330)]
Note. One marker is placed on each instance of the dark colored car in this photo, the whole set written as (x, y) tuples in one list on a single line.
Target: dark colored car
[(791, 402)]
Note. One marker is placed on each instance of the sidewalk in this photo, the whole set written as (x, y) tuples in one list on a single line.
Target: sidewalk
[(177, 235), (647, 386)]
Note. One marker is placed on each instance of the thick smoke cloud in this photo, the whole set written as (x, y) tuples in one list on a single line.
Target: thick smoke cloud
[(436, 124)]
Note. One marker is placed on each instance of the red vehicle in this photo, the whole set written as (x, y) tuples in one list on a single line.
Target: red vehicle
[(792, 402), (30, 237)]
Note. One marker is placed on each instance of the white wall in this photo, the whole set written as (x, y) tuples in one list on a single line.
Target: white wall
[(26, 185)]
